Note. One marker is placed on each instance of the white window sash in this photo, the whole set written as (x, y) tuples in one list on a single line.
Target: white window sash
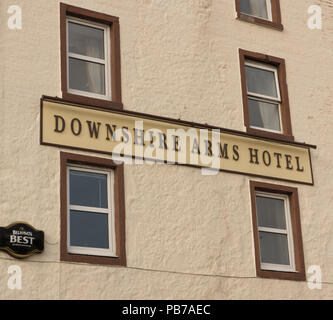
[(273, 230), (288, 231), (266, 67), (268, 99), (106, 61), (91, 251), (279, 112), (277, 267), (111, 251), (263, 97), (265, 129), (269, 10), (89, 209), (86, 58)]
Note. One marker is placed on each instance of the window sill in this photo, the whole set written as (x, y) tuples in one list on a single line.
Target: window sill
[(270, 135), (106, 104), (80, 258), (281, 275), (259, 21)]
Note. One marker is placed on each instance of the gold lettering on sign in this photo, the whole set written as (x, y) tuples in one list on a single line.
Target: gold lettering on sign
[(132, 137)]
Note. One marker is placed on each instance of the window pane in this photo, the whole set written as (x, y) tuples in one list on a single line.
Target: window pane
[(256, 8), (270, 212), (88, 229), (85, 40), (88, 189), (273, 248), (264, 115), (261, 81), (86, 76)]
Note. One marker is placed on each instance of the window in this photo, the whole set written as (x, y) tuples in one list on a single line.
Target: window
[(264, 12), (277, 231), (265, 96), (90, 217), (87, 64), (92, 212), (90, 57), (275, 240)]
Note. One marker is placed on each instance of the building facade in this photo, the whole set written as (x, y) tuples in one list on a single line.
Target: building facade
[(80, 78)]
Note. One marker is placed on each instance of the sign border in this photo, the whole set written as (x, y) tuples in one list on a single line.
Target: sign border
[(173, 121), (17, 255)]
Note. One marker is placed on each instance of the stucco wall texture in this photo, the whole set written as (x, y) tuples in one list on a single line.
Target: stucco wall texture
[(188, 236)]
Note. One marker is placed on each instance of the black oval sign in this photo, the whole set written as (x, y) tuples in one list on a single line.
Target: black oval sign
[(21, 240)]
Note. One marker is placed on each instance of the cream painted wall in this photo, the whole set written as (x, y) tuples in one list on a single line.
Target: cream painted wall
[(188, 236)]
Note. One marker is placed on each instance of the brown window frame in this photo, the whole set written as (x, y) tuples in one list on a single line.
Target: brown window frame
[(292, 194), (276, 22), (111, 21), (119, 207), (280, 66)]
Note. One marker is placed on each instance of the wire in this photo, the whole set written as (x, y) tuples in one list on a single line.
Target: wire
[(158, 270)]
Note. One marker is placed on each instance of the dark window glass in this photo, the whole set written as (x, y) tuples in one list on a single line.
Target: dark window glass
[(86, 76), (257, 8), (273, 248), (88, 189), (271, 212), (85, 40), (260, 81), (264, 115), (89, 229)]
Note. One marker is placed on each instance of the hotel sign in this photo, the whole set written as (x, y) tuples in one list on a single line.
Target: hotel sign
[(138, 138)]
